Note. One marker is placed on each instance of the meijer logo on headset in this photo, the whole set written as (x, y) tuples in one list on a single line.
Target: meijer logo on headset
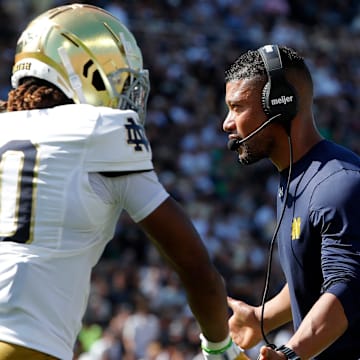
[(282, 100)]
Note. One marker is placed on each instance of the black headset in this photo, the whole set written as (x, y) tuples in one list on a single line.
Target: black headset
[(278, 96)]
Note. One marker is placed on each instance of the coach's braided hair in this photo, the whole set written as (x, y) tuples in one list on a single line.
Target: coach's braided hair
[(34, 93)]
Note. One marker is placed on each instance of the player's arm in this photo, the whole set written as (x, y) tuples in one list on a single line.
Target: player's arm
[(174, 235), (177, 240)]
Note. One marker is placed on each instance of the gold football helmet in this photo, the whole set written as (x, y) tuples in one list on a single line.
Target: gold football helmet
[(88, 54)]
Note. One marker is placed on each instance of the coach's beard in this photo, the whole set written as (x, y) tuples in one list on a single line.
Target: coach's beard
[(246, 156)]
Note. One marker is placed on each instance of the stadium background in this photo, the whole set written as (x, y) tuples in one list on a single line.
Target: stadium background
[(137, 309)]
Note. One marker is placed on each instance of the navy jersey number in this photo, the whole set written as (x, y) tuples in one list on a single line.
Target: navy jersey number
[(18, 161)]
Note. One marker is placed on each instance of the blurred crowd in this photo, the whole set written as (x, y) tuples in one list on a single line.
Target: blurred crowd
[(137, 309)]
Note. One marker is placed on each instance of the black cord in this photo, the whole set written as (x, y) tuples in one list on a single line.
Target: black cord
[(271, 248)]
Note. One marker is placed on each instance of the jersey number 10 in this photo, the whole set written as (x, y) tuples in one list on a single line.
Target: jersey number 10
[(17, 186)]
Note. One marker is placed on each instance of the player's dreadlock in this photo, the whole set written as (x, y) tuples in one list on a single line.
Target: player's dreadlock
[(34, 93)]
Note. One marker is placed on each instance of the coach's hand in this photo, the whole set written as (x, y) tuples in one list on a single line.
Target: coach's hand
[(244, 324), (267, 353)]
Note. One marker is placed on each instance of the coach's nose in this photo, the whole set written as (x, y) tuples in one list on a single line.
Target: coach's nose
[(229, 123)]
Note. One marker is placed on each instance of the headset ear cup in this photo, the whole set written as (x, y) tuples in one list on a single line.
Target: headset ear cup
[(278, 96), (265, 98), (282, 100)]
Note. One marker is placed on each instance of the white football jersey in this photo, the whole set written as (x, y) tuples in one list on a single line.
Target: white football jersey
[(57, 213)]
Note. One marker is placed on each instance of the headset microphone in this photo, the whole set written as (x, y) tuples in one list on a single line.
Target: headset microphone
[(234, 144)]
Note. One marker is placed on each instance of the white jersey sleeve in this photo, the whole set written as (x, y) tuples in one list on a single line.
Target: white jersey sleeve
[(118, 143), (140, 193)]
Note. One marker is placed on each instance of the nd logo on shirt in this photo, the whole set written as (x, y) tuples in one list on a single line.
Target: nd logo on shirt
[(295, 228)]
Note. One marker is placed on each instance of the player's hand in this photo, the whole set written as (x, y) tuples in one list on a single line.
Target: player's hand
[(229, 352), (244, 324)]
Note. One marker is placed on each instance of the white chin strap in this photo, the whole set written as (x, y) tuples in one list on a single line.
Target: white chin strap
[(74, 79)]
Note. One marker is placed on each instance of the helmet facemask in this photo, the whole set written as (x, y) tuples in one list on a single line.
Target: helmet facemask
[(135, 90)]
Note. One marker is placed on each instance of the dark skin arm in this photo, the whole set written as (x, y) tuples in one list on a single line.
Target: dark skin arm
[(323, 325), (172, 232)]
